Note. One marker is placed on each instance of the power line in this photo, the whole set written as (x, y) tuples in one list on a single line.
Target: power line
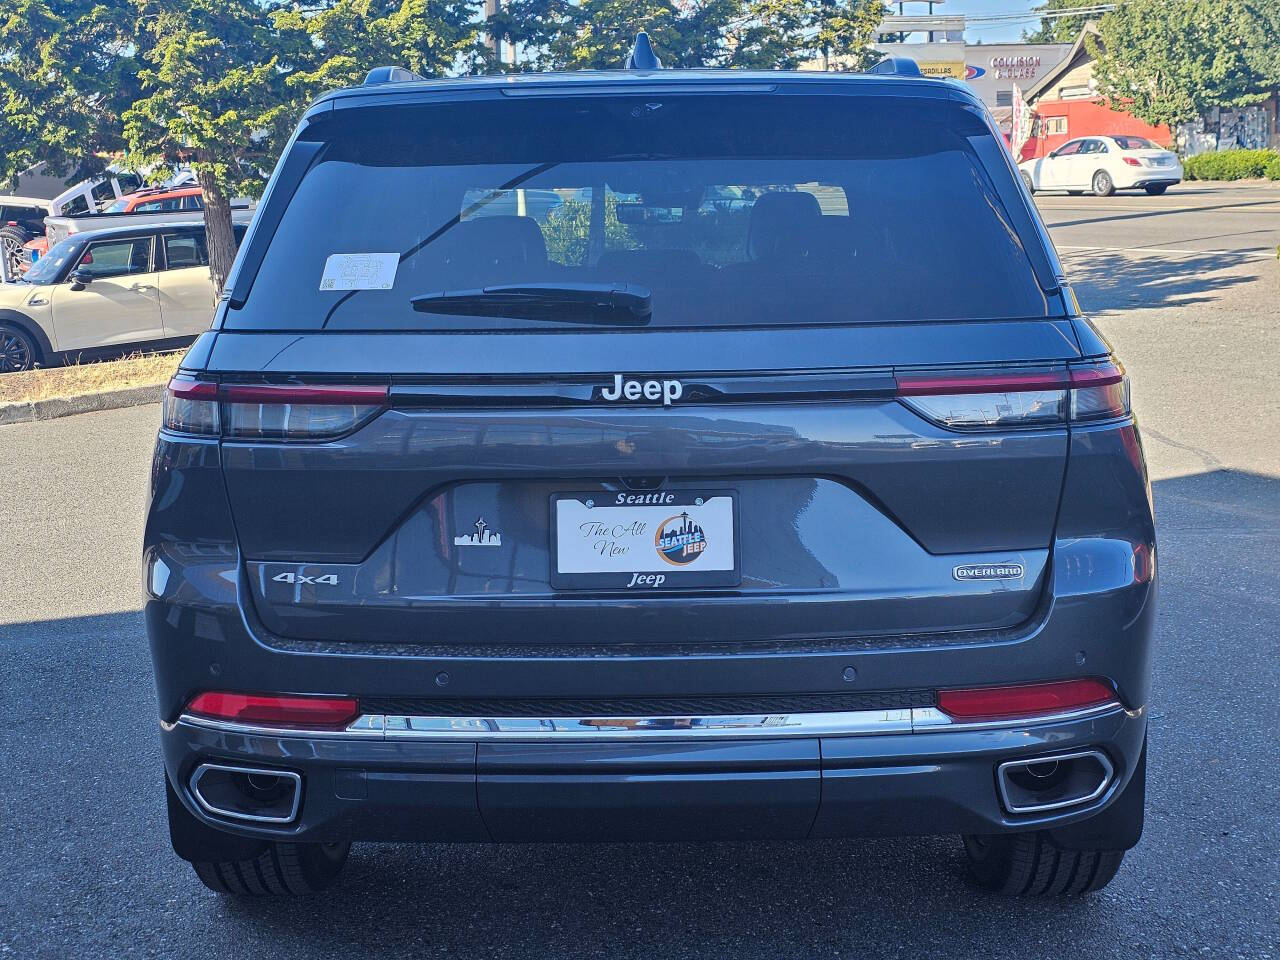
[(1096, 10)]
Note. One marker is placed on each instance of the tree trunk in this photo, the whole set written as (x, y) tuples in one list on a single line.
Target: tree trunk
[(218, 232)]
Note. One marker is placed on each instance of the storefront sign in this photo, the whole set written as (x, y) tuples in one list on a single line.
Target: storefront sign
[(943, 68), (1015, 67)]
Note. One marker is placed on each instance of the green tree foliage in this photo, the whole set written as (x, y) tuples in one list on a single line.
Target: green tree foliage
[(784, 34), (214, 94), (67, 71), (598, 34), (217, 83), (1063, 29), (336, 45), (762, 34), (1171, 60), (568, 230)]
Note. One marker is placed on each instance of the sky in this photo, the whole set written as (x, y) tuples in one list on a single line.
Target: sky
[(1002, 33)]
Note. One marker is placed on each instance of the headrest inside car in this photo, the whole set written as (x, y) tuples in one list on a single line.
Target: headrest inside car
[(783, 225)]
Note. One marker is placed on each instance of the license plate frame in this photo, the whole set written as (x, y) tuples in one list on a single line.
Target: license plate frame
[(643, 567)]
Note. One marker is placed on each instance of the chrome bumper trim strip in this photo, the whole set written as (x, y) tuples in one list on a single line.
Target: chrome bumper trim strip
[(632, 728), (595, 729)]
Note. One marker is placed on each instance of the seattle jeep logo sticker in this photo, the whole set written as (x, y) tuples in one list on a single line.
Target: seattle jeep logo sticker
[(988, 571), (680, 540)]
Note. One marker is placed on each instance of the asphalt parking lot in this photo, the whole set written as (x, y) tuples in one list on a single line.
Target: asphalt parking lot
[(1187, 286)]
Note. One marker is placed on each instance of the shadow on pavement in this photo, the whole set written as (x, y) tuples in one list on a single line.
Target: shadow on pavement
[(1114, 281), (1171, 209)]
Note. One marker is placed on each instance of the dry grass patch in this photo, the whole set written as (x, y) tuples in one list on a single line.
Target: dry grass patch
[(78, 379)]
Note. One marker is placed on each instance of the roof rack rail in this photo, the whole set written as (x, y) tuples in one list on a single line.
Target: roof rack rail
[(642, 56), (379, 75), (897, 67)]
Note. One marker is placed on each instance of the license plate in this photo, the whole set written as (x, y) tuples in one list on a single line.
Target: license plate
[(658, 540)]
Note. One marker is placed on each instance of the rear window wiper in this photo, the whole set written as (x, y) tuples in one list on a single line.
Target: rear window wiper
[(627, 304)]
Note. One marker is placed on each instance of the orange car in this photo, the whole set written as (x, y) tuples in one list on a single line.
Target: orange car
[(149, 200), (157, 199)]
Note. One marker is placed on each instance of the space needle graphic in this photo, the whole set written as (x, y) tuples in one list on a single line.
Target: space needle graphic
[(481, 538)]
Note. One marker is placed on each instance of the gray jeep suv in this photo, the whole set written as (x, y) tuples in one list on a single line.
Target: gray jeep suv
[(640, 515)]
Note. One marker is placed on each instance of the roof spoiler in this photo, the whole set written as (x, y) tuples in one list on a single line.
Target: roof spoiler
[(642, 56), (381, 75), (896, 67)]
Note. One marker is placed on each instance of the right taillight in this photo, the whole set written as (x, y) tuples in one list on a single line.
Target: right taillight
[(1025, 700), (1099, 391), (1004, 398), (270, 411)]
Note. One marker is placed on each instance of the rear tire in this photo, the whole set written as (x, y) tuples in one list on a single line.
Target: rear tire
[(12, 240), (1030, 184), (1032, 865), (18, 350), (1156, 189), (281, 870), (1103, 186)]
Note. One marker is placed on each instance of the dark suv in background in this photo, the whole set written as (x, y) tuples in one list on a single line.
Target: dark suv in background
[(643, 516)]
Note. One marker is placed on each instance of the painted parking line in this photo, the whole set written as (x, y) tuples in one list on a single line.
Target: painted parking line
[(1170, 251)]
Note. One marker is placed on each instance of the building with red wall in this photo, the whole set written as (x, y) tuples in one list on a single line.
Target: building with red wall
[(1066, 105)]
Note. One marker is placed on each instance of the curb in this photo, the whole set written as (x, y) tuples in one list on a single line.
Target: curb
[(87, 403)]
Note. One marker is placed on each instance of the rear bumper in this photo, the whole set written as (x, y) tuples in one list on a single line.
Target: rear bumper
[(922, 780), (1148, 177), (904, 775)]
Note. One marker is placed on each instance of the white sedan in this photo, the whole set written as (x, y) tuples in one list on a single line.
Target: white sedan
[(1104, 165)]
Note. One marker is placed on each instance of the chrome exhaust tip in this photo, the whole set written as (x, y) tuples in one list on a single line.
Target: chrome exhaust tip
[(251, 794), (1039, 784)]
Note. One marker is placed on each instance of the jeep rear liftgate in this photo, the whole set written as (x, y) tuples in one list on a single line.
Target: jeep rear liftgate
[(717, 505)]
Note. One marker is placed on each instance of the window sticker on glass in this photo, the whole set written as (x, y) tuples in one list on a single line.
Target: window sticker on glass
[(360, 271)]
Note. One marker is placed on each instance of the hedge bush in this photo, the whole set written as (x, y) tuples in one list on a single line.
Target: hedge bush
[(1231, 165), (1272, 169)]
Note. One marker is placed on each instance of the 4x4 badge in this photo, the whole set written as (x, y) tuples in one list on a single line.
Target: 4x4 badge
[(328, 579)]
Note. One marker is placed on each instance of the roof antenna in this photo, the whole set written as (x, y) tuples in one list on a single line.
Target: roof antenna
[(642, 56)]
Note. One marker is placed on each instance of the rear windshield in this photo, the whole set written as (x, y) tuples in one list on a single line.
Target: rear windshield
[(1134, 143), (726, 210)]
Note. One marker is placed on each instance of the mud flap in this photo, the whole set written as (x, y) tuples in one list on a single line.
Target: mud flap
[(195, 842), (1119, 827)]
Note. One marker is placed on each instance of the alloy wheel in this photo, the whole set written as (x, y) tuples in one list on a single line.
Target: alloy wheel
[(15, 352), (13, 254)]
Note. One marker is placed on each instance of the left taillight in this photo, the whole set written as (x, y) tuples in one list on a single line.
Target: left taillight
[(275, 710), (1001, 399), (191, 406), (270, 411)]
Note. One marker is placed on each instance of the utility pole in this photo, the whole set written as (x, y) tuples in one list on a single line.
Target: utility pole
[(491, 9)]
